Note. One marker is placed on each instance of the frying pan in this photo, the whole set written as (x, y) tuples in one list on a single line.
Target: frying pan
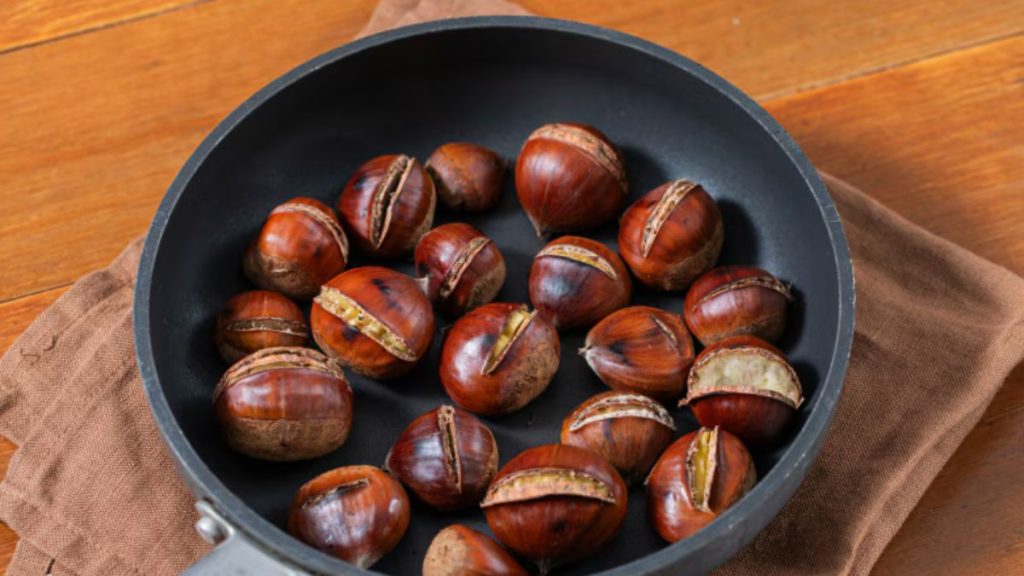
[(489, 80)]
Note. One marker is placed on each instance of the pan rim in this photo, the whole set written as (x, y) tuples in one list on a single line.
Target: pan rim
[(767, 497)]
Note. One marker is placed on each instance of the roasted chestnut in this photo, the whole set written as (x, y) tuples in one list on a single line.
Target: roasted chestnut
[(466, 176), (460, 267), (258, 319), (458, 550), (300, 246), (387, 205), (284, 404), (498, 358), (373, 321), (736, 301), (629, 430), (672, 235), (446, 457), (556, 504), (574, 282), (356, 513), (569, 177), (746, 386), (641, 349), (696, 479)]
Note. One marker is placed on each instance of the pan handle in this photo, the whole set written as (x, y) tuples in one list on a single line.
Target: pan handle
[(233, 554)]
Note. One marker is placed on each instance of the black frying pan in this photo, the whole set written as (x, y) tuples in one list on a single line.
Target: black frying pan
[(491, 81)]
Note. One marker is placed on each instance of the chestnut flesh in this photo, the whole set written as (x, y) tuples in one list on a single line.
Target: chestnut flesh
[(300, 246), (672, 235), (284, 404), (736, 301), (374, 321), (446, 457), (460, 267), (697, 478), (569, 177), (466, 176), (356, 513), (574, 282), (746, 386), (258, 319), (458, 550), (498, 358)]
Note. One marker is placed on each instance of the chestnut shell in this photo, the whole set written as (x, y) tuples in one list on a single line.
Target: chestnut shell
[(736, 301), (258, 319), (458, 550), (462, 268), (466, 176)]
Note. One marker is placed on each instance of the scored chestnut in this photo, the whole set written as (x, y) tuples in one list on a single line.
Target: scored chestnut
[(284, 404), (460, 266), (746, 386), (356, 513), (556, 504), (458, 550), (258, 319), (641, 349), (466, 176), (373, 321), (300, 246), (569, 177), (672, 235), (446, 457), (574, 282), (697, 478), (498, 358), (388, 204), (736, 301), (628, 430)]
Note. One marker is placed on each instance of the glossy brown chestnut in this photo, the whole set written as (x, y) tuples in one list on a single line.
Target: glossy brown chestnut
[(556, 504), (387, 205), (629, 430), (374, 321), (696, 479), (300, 246), (458, 550), (356, 513), (460, 267), (641, 349), (284, 404), (466, 176), (736, 301), (258, 319), (569, 177), (446, 457), (672, 235), (498, 358), (746, 386), (574, 282)]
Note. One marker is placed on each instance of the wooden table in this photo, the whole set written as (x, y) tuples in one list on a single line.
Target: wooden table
[(920, 103)]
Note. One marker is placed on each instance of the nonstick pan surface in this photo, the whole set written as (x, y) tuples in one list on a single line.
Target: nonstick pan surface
[(491, 81)]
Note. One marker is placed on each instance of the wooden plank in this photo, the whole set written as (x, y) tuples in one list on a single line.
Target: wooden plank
[(30, 22)]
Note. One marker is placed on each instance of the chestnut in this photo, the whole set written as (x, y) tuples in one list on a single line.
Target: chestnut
[(697, 478), (356, 513), (460, 267), (466, 176), (628, 430), (446, 457), (569, 177), (736, 301), (284, 404), (258, 319), (373, 321), (387, 205), (458, 550), (555, 504), (498, 358), (300, 246), (574, 282), (641, 349), (672, 235), (746, 386)]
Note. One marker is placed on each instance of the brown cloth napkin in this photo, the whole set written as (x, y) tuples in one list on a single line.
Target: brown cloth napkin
[(92, 492)]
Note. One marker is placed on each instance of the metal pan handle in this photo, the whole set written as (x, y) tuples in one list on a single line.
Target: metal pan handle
[(233, 554)]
